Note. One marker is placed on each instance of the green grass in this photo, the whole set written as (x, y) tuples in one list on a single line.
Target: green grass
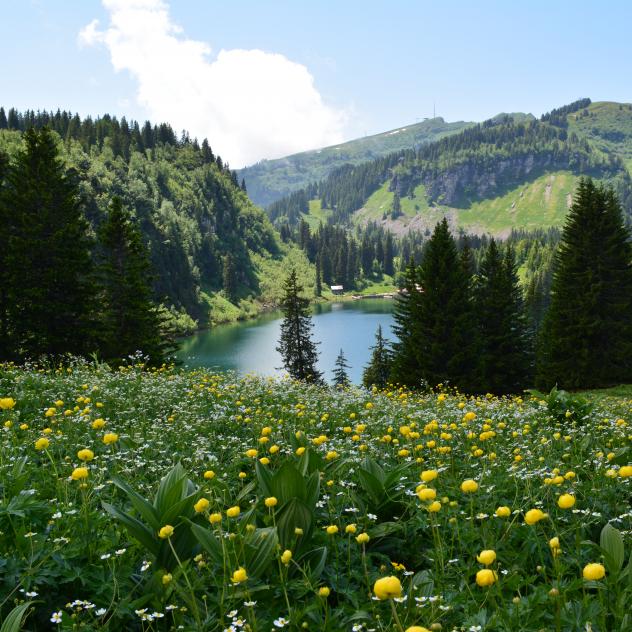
[(317, 215)]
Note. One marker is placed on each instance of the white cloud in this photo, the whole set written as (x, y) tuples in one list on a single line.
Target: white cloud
[(250, 104)]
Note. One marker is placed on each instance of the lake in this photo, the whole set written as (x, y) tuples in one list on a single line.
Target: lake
[(250, 346)]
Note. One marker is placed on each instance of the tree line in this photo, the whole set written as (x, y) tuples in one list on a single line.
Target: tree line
[(62, 289), (469, 327)]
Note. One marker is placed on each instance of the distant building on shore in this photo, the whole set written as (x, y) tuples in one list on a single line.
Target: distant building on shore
[(337, 289)]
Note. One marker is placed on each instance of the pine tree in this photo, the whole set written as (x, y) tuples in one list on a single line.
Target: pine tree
[(296, 347), (3, 119), (50, 294), (586, 336), (6, 221), (503, 350), (229, 278), (378, 371), (341, 377), (130, 319), (388, 255), (396, 210)]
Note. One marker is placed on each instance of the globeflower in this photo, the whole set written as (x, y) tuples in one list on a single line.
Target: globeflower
[(363, 538), (79, 473), (214, 518), (209, 474), (429, 475), (625, 471), (233, 512), (6, 403), (85, 455), (97, 424), (487, 557), (110, 437), (434, 507), (239, 575), (566, 501), (271, 501), (332, 529), (469, 486), (486, 577), (534, 515), (594, 572), (286, 557), (503, 512), (417, 628), (201, 505), (42, 444), (324, 591), (387, 588), (165, 532)]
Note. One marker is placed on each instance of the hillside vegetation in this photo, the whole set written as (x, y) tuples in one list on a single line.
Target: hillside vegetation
[(508, 172), (270, 180)]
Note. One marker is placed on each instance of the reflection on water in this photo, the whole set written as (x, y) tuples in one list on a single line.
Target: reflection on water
[(250, 346)]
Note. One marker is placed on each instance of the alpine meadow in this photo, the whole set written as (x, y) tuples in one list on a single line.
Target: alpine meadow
[(315, 317)]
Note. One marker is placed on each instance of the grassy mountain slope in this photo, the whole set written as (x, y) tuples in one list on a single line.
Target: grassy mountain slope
[(270, 180), (509, 172)]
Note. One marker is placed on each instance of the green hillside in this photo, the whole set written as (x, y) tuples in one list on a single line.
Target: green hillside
[(511, 172), (270, 180)]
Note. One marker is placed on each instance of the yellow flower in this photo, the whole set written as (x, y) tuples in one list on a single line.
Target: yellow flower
[(97, 424), (387, 588), (209, 474), (566, 501), (300, 451), (427, 494), (503, 512), (286, 557), (166, 579), (165, 532), (486, 577), (264, 460), (554, 543), (534, 515), (593, 572), (78, 473), (110, 437), (434, 507), (251, 453), (6, 403), (363, 538), (332, 529), (233, 512), (42, 444), (214, 518), (271, 501), (324, 591), (469, 486), (429, 475), (201, 505), (625, 471), (239, 575), (85, 455), (417, 628), (487, 557)]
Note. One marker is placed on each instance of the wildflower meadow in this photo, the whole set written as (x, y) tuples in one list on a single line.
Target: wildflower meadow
[(169, 499)]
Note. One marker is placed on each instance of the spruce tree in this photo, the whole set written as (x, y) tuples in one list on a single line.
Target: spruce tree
[(50, 292), (504, 363), (229, 278), (6, 221), (296, 347), (444, 333), (586, 336), (378, 371), (405, 369), (318, 286), (341, 377), (130, 318)]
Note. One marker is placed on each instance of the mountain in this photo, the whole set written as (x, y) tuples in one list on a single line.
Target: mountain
[(511, 172), (270, 180), (199, 225)]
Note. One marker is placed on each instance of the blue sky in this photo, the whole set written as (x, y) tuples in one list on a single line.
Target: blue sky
[(296, 75)]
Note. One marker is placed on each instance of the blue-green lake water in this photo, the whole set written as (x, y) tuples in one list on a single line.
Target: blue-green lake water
[(250, 346)]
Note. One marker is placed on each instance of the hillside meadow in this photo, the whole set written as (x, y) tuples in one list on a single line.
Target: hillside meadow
[(172, 499)]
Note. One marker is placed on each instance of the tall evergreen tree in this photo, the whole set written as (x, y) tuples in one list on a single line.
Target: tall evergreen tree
[(586, 337), (229, 278), (341, 377), (318, 286), (296, 347), (389, 252), (130, 318), (50, 294), (3, 119), (504, 361), (405, 369), (378, 371), (6, 221)]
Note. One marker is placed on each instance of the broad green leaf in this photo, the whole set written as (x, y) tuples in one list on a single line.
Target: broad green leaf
[(611, 541), (13, 622), (371, 485), (287, 483), (260, 550), (312, 489), (142, 506), (315, 560), (135, 528), (294, 514), (182, 508), (264, 478), (170, 490), (208, 542)]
